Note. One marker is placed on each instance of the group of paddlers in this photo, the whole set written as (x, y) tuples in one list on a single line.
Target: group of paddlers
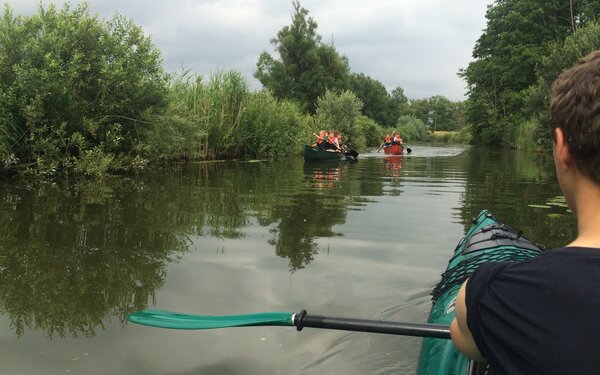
[(393, 139), (329, 141)]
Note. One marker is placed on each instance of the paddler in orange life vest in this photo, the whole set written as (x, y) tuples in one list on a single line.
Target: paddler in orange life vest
[(320, 138), (397, 139), (333, 146)]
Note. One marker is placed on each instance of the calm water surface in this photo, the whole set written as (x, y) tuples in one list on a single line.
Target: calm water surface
[(366, 240)]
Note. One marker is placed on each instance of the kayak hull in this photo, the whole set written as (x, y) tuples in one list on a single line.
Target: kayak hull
[(314, 154), (393, 150), (487, 240)]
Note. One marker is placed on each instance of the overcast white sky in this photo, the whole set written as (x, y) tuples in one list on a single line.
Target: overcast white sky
[(417, 44)]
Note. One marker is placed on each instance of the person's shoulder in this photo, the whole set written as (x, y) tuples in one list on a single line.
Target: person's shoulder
[(571, 250)]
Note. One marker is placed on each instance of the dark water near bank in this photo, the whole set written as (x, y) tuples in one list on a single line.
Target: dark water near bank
[(366, 239)]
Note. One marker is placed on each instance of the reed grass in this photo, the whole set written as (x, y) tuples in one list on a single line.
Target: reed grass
[(218, 118)]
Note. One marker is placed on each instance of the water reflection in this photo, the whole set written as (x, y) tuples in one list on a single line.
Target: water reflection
[(393, 165), (74, 254), (323, 174), (311, 212), (70, 256)]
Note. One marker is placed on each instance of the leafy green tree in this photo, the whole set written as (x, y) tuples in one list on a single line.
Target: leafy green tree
[(441, 111), (375, 98), (561, 56), (515, 40), (74, 88), (306, 68), (419, 108), (399, 104)]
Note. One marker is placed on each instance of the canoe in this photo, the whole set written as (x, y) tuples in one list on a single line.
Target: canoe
[(393, 150), (311, 154), (487, 240)]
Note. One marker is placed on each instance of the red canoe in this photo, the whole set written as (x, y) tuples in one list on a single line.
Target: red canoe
[(394, 150)]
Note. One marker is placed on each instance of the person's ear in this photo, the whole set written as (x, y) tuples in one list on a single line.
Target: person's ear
[(561, 150)]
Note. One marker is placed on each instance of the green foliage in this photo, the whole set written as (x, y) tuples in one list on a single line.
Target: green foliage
[(220, 118), (377, 103), (412, 129), (437, 112), (306, 68), (339, 112), (71, 83), (441, 113), (516, 39), (371, 131), (526, 137), (561, 56), (270, 127)]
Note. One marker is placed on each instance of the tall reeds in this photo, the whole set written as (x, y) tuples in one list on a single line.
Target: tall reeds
[(219, 117)]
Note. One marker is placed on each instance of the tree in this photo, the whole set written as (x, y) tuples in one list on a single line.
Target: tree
[(306, 68), (375, 98), (515, 40), (561, 56), (441, 112)]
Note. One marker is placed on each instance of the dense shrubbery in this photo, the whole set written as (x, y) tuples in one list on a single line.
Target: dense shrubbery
[(74, 89), (79, 94), (412, 129), (339, 111), (220, 118)]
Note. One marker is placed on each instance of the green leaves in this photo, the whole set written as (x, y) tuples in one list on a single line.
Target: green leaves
[(62, 70), (306, 68)]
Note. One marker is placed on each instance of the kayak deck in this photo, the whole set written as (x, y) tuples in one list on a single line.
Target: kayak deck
[(487, 240)]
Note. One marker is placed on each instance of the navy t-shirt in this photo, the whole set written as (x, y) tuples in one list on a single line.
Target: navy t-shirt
[(539, 316)]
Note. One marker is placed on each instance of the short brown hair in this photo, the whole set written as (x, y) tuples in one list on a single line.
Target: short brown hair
[(575, 108)]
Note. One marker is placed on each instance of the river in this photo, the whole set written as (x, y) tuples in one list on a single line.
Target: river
[(366, 239)]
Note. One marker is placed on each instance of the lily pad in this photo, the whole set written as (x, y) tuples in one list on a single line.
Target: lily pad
[(538, 206), (557, 204), (555, 216)]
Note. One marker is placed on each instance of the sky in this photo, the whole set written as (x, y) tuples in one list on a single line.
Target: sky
[(419, 45)]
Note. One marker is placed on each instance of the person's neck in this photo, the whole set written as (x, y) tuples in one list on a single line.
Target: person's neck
[(588, 215)]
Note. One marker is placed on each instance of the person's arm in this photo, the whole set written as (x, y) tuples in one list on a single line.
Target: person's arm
[(459, 330)]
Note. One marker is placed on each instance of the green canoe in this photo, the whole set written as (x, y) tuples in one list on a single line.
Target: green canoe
[(311, 154), (487, 240)]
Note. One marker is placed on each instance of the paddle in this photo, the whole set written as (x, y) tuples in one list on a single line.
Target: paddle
[(167, 319), (351, 155)]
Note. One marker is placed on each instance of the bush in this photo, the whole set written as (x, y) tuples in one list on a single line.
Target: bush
[(270, 127), (412, 129), (340, 112), (64, 73), (526, 135), (372, 132)]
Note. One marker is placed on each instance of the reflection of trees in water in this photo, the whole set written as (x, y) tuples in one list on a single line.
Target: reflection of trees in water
[(74, 255), (305, 218), (70, 257), (319, 203), (509, 181)]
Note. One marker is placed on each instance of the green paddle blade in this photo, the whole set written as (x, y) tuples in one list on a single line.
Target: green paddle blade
[(168, 319)]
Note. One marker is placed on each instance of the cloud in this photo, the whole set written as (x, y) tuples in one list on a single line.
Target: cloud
[(418, 45)]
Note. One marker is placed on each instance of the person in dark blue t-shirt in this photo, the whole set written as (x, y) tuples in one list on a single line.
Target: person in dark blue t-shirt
[(542, 316)]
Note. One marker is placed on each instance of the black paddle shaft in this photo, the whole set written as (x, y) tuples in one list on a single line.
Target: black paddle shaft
[(439, 331)]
